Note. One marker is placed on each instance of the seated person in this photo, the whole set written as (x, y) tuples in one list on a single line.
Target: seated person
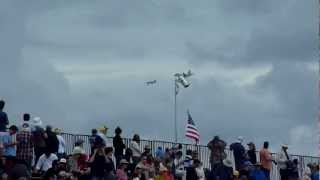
[(45, 162)]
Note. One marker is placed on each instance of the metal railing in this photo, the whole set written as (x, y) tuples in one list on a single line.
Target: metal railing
[(203, 151)]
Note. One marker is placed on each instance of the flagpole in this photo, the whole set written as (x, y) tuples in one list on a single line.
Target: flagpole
[(175, 112)]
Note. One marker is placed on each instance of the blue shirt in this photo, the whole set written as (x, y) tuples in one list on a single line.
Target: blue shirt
[(257, 175), (316, 176), (9, 150)]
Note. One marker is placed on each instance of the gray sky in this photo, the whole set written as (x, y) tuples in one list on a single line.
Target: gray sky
[(82, 64)]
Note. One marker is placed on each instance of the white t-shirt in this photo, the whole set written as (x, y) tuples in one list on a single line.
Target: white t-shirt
[(135, 149), (62, 144), (200, 173), (45, 163)]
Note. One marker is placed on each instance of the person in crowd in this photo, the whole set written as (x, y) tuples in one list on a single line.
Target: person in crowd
[(238, 152), (45, 161), (282, 161), (118, 145), (217, 153), (62, 143), (199, 169), (164, 173), (307, 172), (266, 160), (160, 153), (225, 172), (52, 142), (25, 146), (10, 148), (52, 172), (20, 170), (98, 164), (102, 132), (147, 151), (316, 174), (191, 173), (3, 117), (147, 166), (257, 173), (92, 140), (236, 175), (178, 163), (135, 148), (122, 170), (294, 174), (252, 156), (110, 169), (39, 137), (78, 163), (245, 169), (137, 174)]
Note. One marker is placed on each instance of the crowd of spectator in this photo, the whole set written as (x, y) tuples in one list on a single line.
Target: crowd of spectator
[(31, 150)]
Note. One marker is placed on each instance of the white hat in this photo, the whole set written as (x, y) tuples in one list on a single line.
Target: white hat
[(77, 150), (63, 160), (240, 139), (37, 121), (227, 163)]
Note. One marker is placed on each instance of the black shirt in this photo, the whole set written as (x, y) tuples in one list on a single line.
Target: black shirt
[(118, 145), (252, 156), (98, 166), (3, 121)]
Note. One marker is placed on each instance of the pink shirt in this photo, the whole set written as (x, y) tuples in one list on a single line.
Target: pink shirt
[(121, 175)]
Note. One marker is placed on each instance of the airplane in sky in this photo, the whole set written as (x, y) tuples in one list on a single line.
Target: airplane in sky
[(151, 82)]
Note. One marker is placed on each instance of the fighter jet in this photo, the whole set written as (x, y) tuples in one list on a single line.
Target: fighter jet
[(151, 82)]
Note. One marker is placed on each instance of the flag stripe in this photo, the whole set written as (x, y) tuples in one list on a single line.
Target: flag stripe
[(191, 129)]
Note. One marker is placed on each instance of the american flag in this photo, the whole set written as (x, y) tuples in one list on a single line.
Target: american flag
[(191, 129)]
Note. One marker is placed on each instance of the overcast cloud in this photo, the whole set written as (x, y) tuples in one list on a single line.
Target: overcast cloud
[(82, 64)]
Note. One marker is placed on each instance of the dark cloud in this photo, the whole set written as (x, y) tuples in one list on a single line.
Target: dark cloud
[(69, 64)]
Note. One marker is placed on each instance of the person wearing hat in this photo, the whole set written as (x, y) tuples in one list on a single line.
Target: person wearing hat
[(78, 162), (147, 151), (226, 170), (239, 152), (282, 159), (121, 173), (257, 173)]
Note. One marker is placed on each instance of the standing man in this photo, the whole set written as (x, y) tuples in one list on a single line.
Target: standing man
[(239, 152), (118, 145), (10, 148), (217, 155), (25, 146), (52, 142), (3, 117), (266, 160), (283, 162), (3, 122)]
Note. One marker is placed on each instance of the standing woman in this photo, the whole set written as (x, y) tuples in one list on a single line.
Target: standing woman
[(118, 145), (135, 148), (252, 156)]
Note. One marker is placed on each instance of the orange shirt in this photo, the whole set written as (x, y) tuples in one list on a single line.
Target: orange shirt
[(266, 159)]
